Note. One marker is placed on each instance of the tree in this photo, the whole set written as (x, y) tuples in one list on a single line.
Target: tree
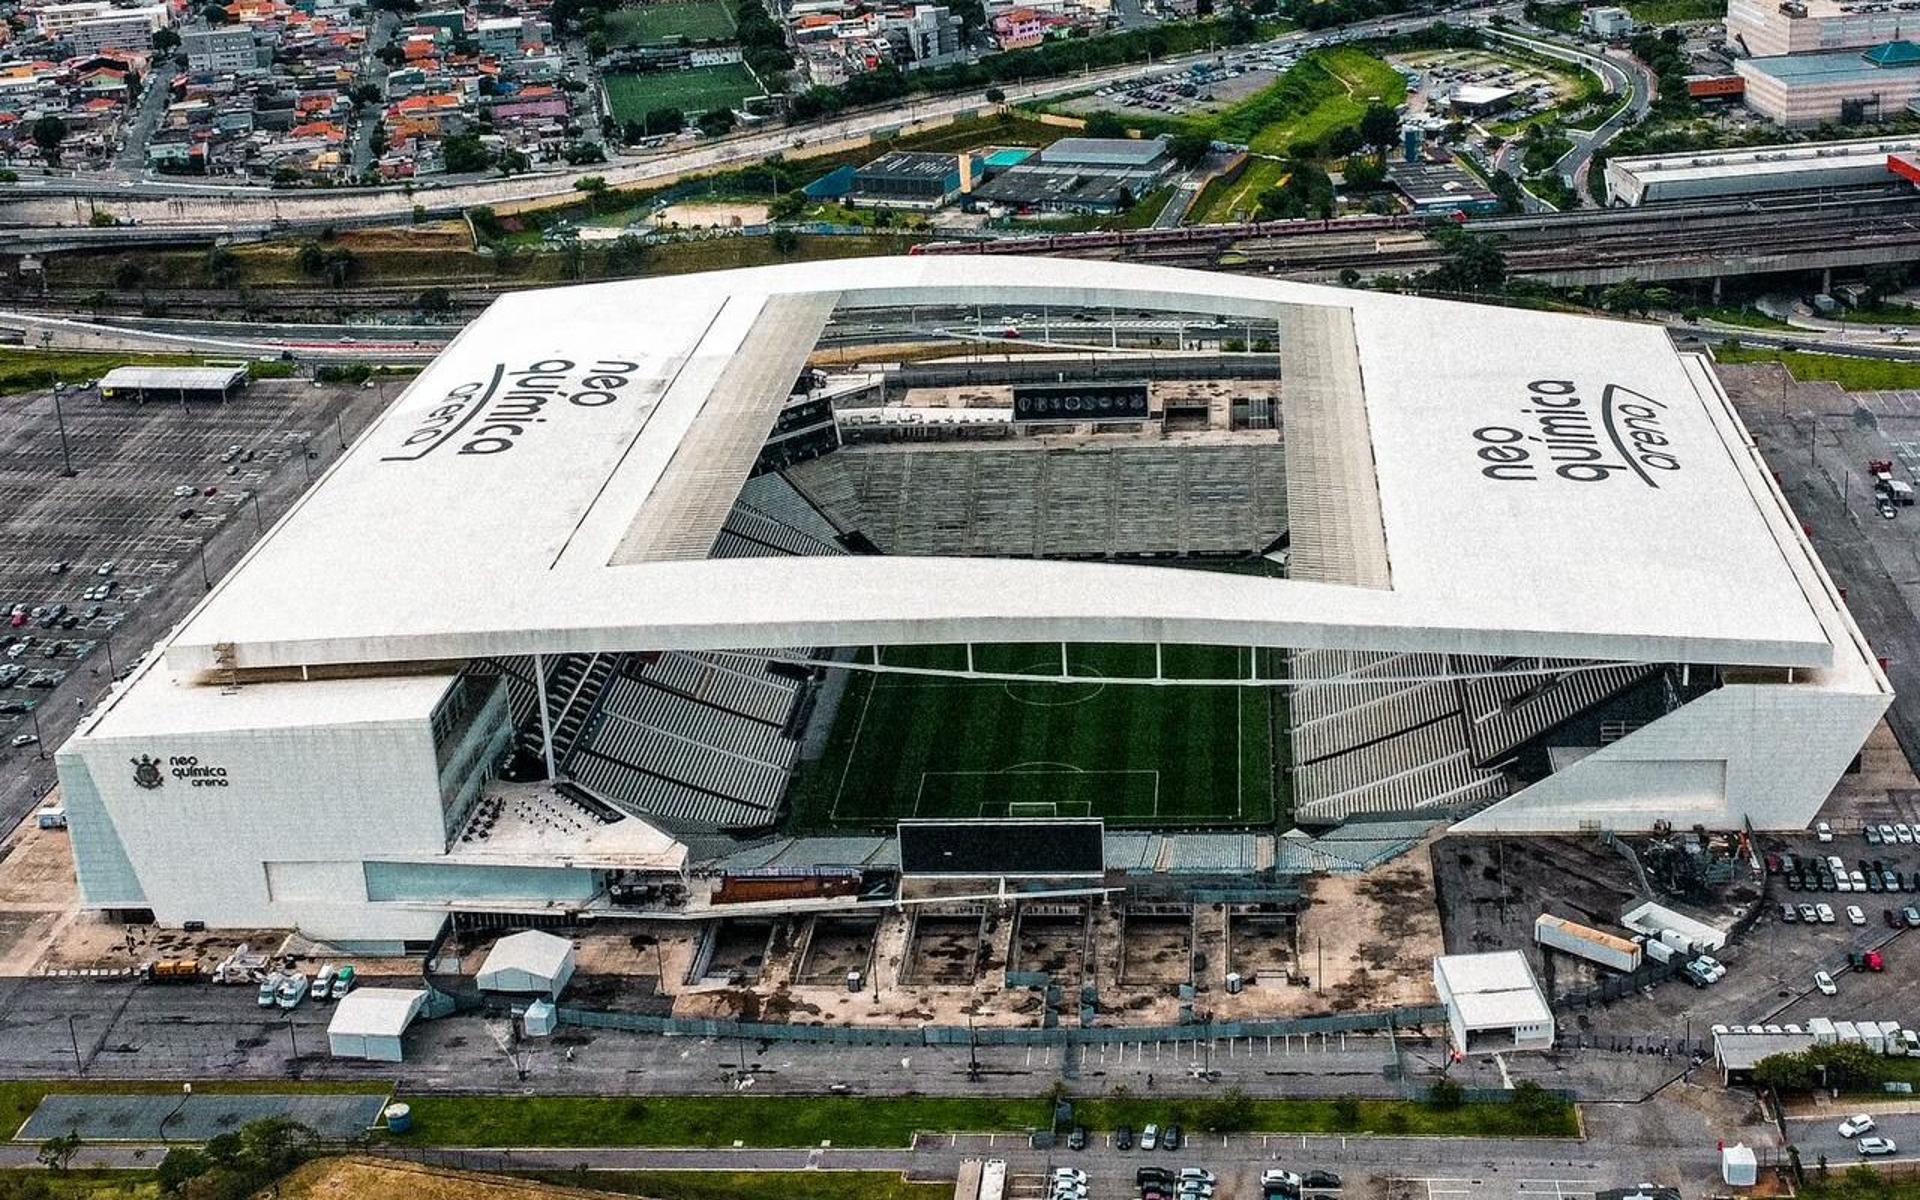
[(1473, 263), (215, 14), (716, 121), (485, 222), (787, 206), (785, 241), (310, 258), (1190, 149), (56, 1153), (48, 132), (663, 120), (1785, 1073), (1445, 1095), (434, 302), (1379, 126), (1537, 1107), (464, 154), (221, 267), (996, 96), (1364, 172), (339, 266), (1104, 125), (1233, 1112), (165, 40), (594, 186), (1344, 140)]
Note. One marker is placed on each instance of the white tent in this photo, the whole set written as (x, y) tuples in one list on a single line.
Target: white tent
[(527, 963), (368, 1022), (1738, 1166)]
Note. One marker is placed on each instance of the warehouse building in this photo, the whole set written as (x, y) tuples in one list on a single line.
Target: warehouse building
[(1442, 189), (1082, 175), (1480, 100), (1493, 1003), (1766, 28), (510, 655), (179, 384), (1845, 87), (1756, 170), (907, 180)]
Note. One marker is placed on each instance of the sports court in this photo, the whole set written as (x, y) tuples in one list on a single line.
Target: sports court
[(1113, 747), (633, 95), (669, 21)]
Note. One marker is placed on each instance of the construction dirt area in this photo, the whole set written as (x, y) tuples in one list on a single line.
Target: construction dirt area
[(1368, 941), (945, 950), (1156, 948), (1051, 938), (835, 948)]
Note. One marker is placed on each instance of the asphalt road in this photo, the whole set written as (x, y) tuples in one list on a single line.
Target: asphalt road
[(1816, 1136)]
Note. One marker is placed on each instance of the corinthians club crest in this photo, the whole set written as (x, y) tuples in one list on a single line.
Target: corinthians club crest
[(146, 771)]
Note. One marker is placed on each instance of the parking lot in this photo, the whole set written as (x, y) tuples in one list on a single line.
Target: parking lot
[(150, 504)]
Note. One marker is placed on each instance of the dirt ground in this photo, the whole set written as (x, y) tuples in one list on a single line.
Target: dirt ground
[(368, 1179), (725, 216), (1376, 934), (1260, 945), (944, 952), (836, 946), (1053, 944), (1159, 951)]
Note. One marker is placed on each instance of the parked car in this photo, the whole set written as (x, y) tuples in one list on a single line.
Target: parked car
[(1123, 1138), (1150, 1137), (1875, 961), (1911, 916), (1077, 1140), (1809, 914), (1822, 831), (1170, 1139), (1855, 916), (1787, 914), (1825, 983)]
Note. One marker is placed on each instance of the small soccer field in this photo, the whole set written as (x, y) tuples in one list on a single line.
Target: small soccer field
[(670, 20), (632, 96), (1137, 754)]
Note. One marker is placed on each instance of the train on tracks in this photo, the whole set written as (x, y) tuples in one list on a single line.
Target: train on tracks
[(1121, 238)]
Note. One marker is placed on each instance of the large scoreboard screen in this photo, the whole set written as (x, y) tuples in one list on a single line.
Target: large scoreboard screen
[(1094, 400)]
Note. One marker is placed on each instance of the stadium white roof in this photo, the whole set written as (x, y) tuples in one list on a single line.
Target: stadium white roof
[(1497, 481)]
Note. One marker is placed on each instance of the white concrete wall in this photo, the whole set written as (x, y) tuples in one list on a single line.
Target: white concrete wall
[(281, 843), (1769, 753)]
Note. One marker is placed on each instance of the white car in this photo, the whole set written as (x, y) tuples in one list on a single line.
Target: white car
[(1073, 1173), (1876, 1145), (1888, 835), (1903, 833), (1196, 1174), (184, 490), (1275, 1178), (1826, 913), (1856, 1125), (1150, 1137), (1855, 916), (1825, 983), (1822, 831), (1716, 969)]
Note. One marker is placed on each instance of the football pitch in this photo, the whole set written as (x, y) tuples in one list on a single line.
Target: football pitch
[(1135, 753), (669, 20), (632, 96)]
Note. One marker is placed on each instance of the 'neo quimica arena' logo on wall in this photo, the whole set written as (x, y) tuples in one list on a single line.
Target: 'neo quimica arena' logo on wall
[(1620, 434), (146, 772)]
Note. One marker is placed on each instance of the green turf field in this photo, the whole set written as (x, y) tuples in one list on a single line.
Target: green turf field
[(633, 96), (670, 20), (1136, 754)]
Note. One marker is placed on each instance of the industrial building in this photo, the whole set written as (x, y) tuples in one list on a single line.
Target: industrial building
[(1442, 188), (1493, 1003), (1765, 28), (1607, 22), (179, 384), (1082, 175), (1480, 100), (905, 179), (1756, 170), (547, 639), (1847, 87)]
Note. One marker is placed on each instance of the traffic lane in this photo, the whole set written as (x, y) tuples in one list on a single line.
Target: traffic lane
[(1821, 1135)]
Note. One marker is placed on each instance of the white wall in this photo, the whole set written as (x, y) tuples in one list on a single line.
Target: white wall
[(280, 845), (1770, 753)]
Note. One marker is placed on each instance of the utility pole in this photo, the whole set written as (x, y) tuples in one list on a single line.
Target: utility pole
[(60, 420), (205, 579), (79, 1066)]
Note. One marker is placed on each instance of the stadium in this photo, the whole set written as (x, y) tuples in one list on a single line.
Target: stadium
[(678, 592)]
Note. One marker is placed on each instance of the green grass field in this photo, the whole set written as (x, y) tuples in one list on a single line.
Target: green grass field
[(1341, 82), (1134, 753), (1238, 199), (1852, 374), (633, 96), (669, 20)]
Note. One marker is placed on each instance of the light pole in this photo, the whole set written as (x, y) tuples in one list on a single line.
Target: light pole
[(79, 1066), (39, 747), (205, 579), (60, 420)]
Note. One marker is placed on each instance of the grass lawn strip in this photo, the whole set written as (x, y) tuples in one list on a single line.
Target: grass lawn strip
[(1852, 374)]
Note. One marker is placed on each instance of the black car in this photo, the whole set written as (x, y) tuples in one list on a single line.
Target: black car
[(1077, 1140), (1170, 1139), (1148, 1175), (1874, 883), (1793, 883), (1320, 1179), (1123, 1138), (1856, 960), (1893, 918)]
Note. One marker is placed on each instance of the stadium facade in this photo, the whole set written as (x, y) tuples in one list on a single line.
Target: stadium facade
[(502, 656)]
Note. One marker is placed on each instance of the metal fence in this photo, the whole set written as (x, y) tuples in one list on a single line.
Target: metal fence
[(941, 1035)]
